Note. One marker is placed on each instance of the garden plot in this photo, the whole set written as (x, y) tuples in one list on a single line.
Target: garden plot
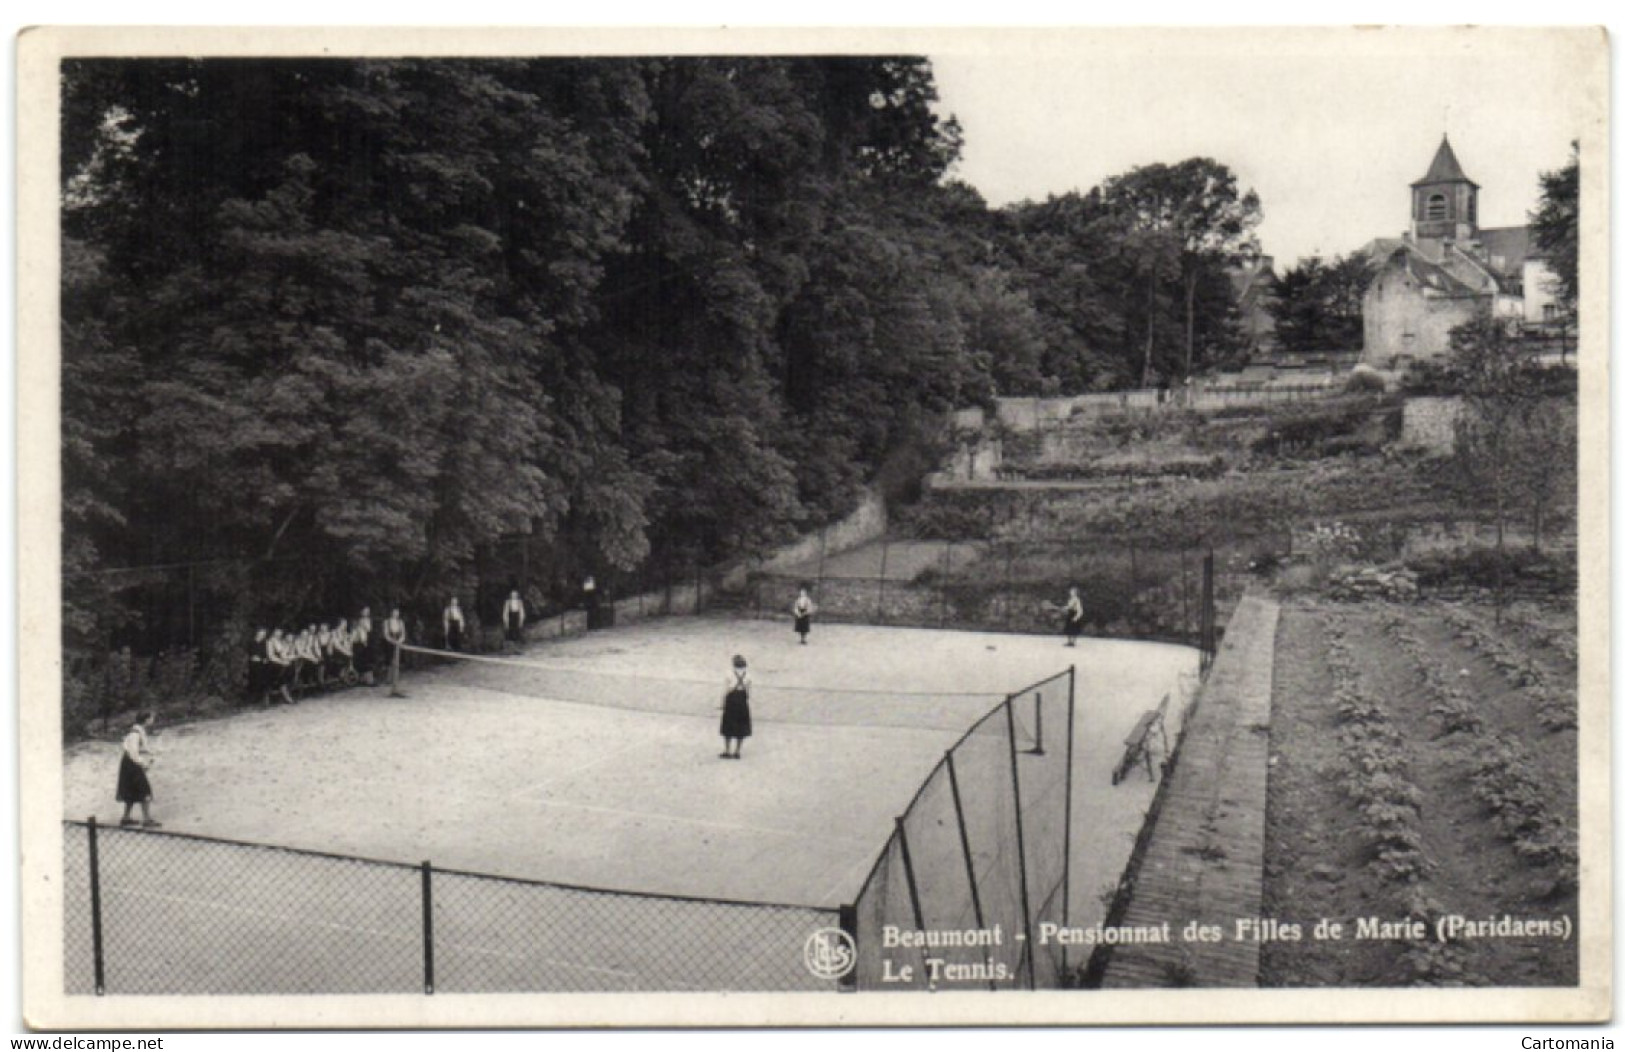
[(1424, 765)]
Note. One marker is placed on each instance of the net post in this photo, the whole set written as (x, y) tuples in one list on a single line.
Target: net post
[(1021, 843), (428, 929), (847, 919), (96, 910), (1066, 833), (1038, 724)]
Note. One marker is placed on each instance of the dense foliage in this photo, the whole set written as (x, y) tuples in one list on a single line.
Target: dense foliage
[(339, 332), (1555, 225), (1317, 305)]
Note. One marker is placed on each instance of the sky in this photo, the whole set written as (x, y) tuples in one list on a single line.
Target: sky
[(1330, 127)]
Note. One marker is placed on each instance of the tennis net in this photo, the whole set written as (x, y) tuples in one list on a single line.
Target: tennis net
[(687, 695)]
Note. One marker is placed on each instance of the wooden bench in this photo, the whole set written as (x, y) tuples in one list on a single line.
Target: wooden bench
[(1137, 746)]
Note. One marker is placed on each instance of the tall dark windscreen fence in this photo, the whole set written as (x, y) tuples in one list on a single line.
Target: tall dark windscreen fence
[(1128, 591), (975, 879), (149, 912)]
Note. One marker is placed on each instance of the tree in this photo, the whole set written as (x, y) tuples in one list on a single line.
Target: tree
[(1555, 226), (1514, 443), (1191, 215), (1318, 306), (1071, 258)]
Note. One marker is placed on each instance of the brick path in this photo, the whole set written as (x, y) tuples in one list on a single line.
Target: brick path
[(1205, 859)]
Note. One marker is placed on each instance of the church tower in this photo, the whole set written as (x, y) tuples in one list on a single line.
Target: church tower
[(1444, 202)]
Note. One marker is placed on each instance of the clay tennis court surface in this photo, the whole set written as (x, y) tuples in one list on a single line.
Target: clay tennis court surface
[(484, 768)]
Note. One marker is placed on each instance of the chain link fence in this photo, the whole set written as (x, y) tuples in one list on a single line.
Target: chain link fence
[(1128, 591), (983, 847), (150, 912), (978, 866)]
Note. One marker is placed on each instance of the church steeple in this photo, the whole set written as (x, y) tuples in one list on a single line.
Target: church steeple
[(1444, 202)]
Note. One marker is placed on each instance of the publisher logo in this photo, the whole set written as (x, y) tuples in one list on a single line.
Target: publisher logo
[(829, 953)]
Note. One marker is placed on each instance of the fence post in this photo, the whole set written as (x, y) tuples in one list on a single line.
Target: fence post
[(1066, 836), (908, 873), (428, 930), (1209, 615), (880, 607), (1021, 843), (96, 910), (947, 569), (1184, 594), (848, 922), (1009, 584), (964, 845)]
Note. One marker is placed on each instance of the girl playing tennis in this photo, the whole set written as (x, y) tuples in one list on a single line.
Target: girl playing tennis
[(736, 711)]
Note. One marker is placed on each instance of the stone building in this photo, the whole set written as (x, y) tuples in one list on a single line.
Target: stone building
[(1445, 269)]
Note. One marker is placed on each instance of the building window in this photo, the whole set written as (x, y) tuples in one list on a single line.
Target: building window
[(1548, 311), (1436, 207), (1472, 208)]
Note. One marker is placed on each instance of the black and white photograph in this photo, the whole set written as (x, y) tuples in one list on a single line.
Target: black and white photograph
[(814, 527)]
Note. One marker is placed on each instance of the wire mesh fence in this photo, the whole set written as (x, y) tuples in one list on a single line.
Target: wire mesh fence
[(149, 912), (1128, 591), (978, 866), (982, 851)]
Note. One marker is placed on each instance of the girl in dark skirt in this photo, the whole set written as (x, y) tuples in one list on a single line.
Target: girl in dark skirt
[(257, 683), (133, 786), (1073, 624), (513, 618), (736, 711), (803, 612)]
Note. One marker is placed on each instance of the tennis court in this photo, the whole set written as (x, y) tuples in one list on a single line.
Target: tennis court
[(597, 764)]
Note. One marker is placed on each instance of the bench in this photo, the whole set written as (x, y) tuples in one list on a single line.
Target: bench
[(1137, 746)]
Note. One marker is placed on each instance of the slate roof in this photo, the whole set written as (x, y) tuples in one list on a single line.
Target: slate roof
[(1445, 168), (1436, 277)]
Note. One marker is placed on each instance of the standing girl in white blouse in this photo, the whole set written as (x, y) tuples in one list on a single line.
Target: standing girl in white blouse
[(133, 786)]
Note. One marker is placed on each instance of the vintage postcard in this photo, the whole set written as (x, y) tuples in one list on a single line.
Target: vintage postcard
[(825, 527)]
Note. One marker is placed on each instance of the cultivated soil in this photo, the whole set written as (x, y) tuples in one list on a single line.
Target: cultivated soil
[(1423, 764)]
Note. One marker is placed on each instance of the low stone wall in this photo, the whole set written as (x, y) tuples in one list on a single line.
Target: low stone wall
[(1203, 860), (1430, 424), (865, 524)]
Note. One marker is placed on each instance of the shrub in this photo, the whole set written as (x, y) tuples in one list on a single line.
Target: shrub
[(1364, 380), (1487, 567)]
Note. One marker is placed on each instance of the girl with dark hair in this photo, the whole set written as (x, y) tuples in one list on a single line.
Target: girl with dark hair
[(133, 786), (736, 711)]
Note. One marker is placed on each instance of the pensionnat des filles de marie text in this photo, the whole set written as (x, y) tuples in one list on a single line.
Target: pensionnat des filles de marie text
[(1450, 926)]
